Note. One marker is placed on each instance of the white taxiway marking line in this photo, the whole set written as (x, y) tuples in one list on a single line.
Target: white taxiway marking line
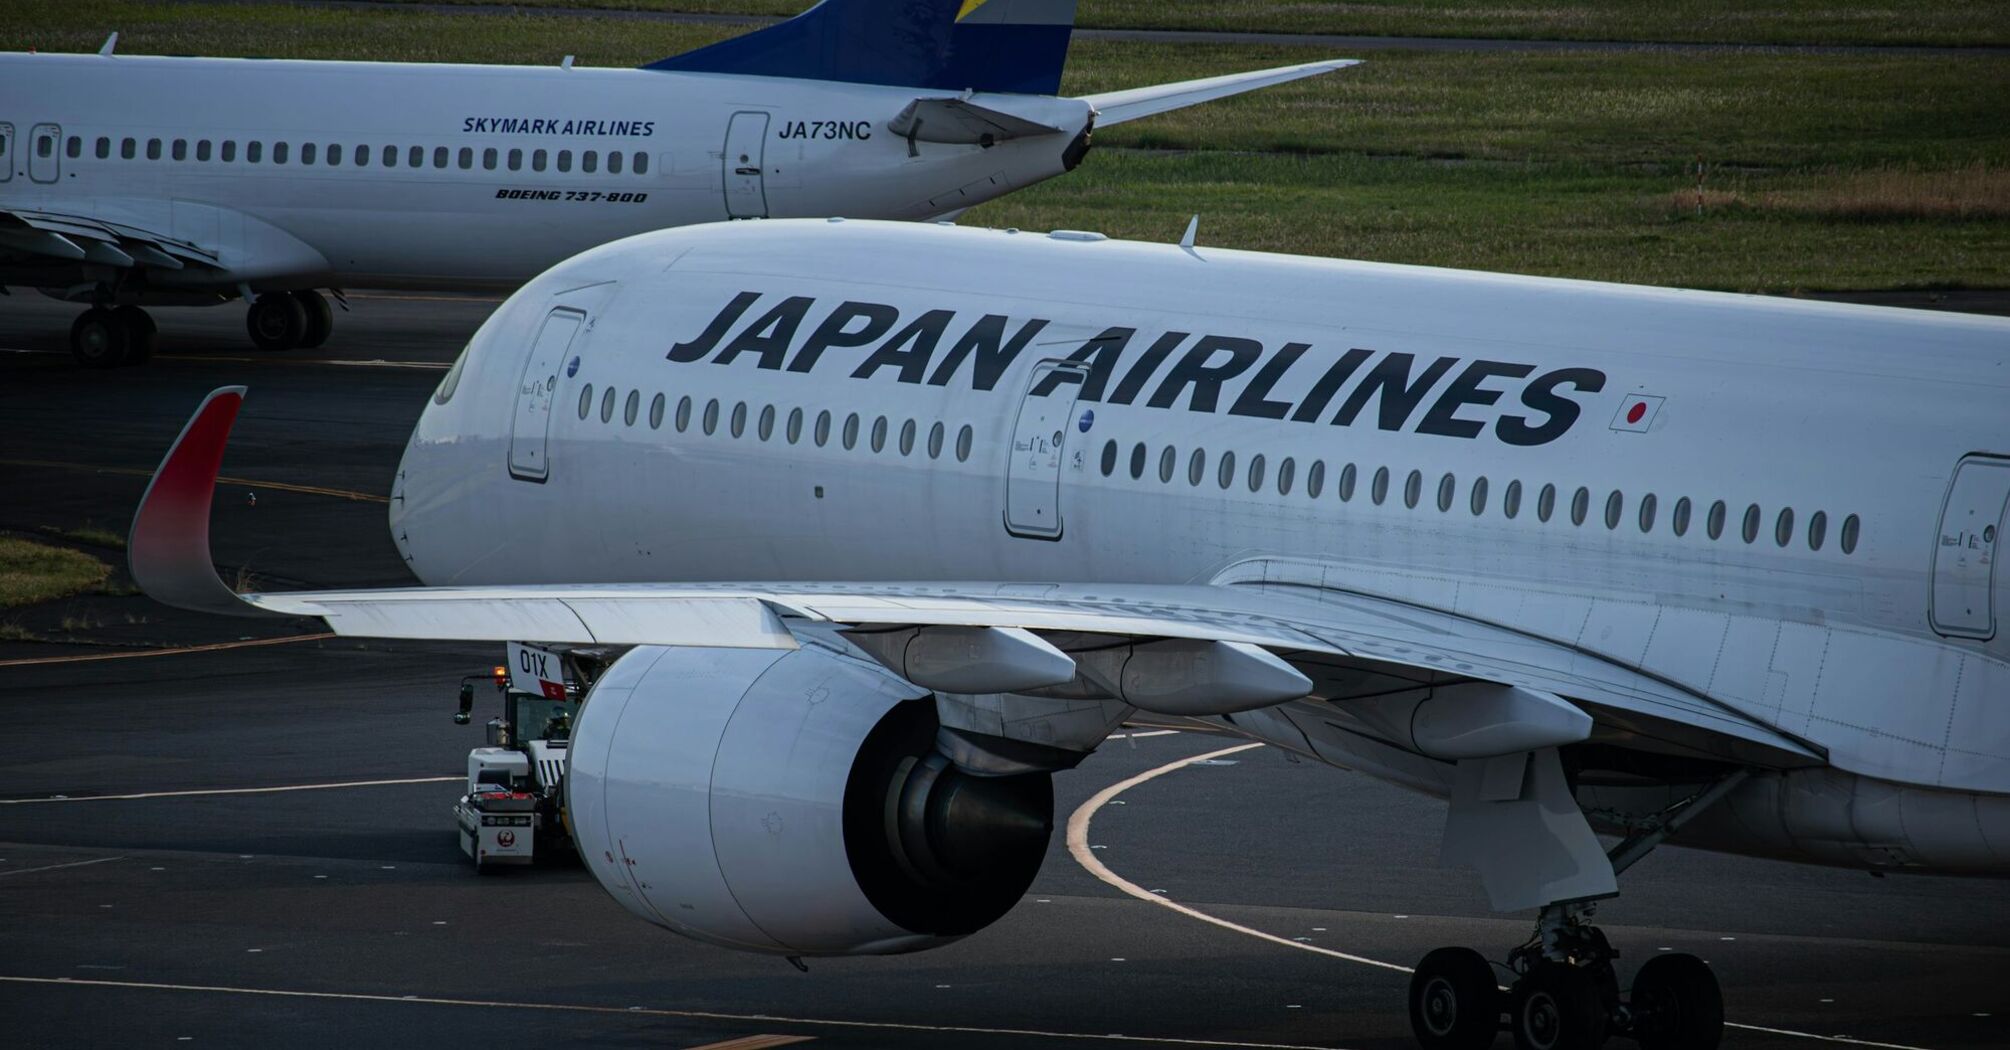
[(643, 1011), (225, 791), (1079, 848), (55, 867)]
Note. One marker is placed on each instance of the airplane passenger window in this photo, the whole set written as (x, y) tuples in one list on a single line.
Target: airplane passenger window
[(1478, 502), (1818, 529), (416, 157), (45, 145), (906, 437), (589, 161), (1511, 500), (766, 428), (1545, 503), (1315, 479), (1783, 528), (1680, 519), (1580, 505), (126, 149), (1256, 472), (253, 151), (963, 440), (851, 431), (607, 406), (516, 160), (1137, 461), (1713, 523), (739, 418), (440, 156), (565, 160), (1346, 486), (1849, 534), (641, 165), (279, 153), (1285, 470), (633, 408), (656, 412), (823, 431), (614, 162), (180, 149), (1225, 473), (1615, 508), (153, 149), (711, 417), (935, 441), (362, 157), (585, 400), (1168, 462), (334, 154), (390, 157), (228, 152), (1448, 486), (489, 159), (1196, 467), (202, 149), (1378, 490), (1750, 530), (467, 157), (307, 153), (104, 147), (795, 430), (74, 148), (683, 414), (537, 160), (1413, 489), (1647, 506), (879, 434)]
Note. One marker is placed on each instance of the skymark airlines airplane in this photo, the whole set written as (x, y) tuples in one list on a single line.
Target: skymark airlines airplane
[(128, 181), (1578, 557)]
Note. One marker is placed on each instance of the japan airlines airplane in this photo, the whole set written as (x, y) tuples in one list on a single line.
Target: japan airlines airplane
[(143, 180), (947, 505)]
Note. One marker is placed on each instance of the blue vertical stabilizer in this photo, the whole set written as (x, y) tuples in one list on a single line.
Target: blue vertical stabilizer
[(979, 45)]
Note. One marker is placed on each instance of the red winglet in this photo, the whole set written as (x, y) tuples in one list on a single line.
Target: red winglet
[(168, 550)]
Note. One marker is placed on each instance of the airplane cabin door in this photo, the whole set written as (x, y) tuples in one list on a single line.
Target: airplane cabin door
[(6, 152), (746, 138), (1039, 444), (530, 434), (45, 153), (1964, 557)]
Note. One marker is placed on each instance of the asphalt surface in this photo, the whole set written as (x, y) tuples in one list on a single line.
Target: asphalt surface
[(345, 916)]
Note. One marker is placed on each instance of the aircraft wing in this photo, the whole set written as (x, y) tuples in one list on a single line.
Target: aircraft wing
[(1116, 107), (1347, 645), (59, 237)]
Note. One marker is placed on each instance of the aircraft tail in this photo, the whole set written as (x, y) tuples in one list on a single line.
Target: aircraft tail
[(979, 45)]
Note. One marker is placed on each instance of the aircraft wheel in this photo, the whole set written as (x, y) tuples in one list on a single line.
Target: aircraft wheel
[(320, 318), (276, 321), (1557, 1006), (98, 340), (1677, 1004), (1454, 1003), (142, 337)]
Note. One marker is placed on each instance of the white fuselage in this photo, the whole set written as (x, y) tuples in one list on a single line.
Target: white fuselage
[(685, 425), (302, 174)]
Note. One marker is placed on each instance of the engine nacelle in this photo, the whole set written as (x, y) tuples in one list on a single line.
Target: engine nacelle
[(792, 802)]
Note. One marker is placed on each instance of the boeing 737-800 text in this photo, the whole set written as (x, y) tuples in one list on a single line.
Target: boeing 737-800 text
[(947, 505), (141, 180)]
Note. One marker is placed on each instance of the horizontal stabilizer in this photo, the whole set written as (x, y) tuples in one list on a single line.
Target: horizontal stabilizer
[(962, 122), (1115, 107)]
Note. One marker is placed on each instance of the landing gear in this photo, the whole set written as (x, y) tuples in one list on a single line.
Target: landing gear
[(320, 318), (277, 321), (1677, 1004), (105, 337), (1454, 1004)]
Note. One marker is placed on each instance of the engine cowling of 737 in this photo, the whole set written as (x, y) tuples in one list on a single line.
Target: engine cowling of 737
[(792, 802)]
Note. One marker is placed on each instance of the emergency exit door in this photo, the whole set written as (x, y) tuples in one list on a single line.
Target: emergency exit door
[(6, 152), (1964, 556), (746, 139), (1039, 445), (530, 436), (45, 154)]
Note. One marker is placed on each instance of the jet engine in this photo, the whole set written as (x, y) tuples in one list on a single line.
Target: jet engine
[(793, 802)]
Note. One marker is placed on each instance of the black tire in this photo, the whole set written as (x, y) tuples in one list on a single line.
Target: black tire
[(1454, 1003), (320, 318), (1677, 1004), (1557, 1007), (98, 340), (276, 322), (142, 337)]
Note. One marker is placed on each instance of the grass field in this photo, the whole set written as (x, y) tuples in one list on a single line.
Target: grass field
[(33, 572), (1818, 171), (1953, 22)]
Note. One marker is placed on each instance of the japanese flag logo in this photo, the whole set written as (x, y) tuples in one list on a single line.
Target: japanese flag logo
[(1637, 412)]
